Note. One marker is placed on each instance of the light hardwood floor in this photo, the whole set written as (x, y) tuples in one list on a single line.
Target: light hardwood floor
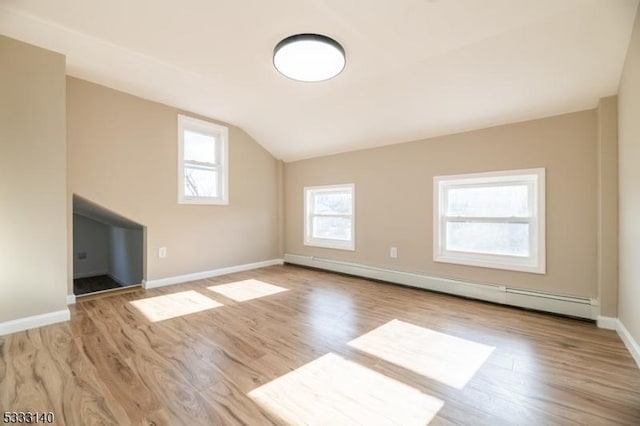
[(286, 345)]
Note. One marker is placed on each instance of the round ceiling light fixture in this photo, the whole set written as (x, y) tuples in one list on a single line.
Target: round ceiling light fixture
[(309, 57)]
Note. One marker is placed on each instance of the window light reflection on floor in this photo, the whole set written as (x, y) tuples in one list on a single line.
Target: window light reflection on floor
[(448, 359), (333, 391), (241, 291), (173, 305)]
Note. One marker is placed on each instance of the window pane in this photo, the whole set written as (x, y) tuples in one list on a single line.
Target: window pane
[(200, 183), (332, 202), (489, 201), (199, 147), (334, 228), (490, 238)]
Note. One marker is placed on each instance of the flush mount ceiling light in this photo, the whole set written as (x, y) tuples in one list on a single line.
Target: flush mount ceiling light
[(309, 57)]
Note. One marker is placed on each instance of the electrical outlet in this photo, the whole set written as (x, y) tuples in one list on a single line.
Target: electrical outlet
[(162, 252), (393, 253)]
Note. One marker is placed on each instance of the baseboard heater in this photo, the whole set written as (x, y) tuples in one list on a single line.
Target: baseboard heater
[(581, 307)]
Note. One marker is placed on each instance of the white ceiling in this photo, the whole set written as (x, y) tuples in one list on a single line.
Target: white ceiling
[(415, 68)]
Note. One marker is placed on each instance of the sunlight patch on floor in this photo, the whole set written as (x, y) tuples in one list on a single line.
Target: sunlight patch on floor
[(173, 305), (334, 391), (241, 291), (448, 359)]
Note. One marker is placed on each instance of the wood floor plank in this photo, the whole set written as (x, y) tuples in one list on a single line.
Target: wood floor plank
[(58, 378), (114, 372), (227, 405), (115, 364)]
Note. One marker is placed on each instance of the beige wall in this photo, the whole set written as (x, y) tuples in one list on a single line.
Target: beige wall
[(123, 156), (394, 199), (608, 206), (629, 177), (33, 209)]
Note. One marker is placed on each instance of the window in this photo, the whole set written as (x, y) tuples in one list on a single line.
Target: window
[(202, 162), (494, 220), (328, 216)]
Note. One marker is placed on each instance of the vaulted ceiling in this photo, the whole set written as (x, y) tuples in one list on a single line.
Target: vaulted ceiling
[(415, 68)]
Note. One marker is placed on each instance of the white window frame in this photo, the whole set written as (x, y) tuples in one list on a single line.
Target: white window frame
[(221, 135), (309, 240), (534, 179)]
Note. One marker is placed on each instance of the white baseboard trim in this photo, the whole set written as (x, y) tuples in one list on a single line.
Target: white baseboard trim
[(628, 341), (90, 274), (34, 321), (607, 323), (209, 274), (581, 307), (610, 323), (71, 299)]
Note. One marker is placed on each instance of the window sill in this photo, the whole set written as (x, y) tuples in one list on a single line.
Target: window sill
[(330, 245), (502, 264), (204, 201)]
